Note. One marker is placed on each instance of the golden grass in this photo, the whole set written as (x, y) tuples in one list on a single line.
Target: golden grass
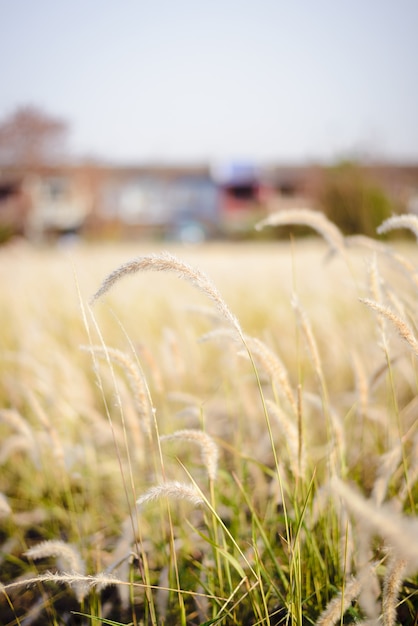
[(202, 486)]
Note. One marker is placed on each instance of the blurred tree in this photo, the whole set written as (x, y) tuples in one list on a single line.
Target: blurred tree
[(353, 200), (30, 137)]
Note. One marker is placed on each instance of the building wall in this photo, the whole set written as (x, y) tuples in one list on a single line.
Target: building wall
[(160, 201)]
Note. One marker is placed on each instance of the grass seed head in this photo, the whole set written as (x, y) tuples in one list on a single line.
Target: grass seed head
[(408, 221), (174, 490), (68, 558), (209, 449), (166, 262), (306, 217)]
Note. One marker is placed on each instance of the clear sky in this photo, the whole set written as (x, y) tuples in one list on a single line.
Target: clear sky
[(185, 80)]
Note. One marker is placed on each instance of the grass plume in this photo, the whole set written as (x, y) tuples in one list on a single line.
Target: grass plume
[(68, 560), (306, 217), (396, 569), (166, 262), (284, 492), (408, 221), (208, 447), (402, 328), (174, 490)]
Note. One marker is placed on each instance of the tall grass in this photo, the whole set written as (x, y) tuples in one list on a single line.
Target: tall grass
[(215, 435)]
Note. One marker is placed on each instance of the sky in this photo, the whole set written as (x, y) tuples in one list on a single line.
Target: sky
[(218, 80)]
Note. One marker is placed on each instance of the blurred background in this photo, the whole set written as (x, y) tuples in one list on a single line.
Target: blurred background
[(192, 120)]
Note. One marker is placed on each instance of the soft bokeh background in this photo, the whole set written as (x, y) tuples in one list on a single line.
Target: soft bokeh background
[(309, 111)]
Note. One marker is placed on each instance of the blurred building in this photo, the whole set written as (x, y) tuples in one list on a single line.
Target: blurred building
[(177, 203), (181, 203)]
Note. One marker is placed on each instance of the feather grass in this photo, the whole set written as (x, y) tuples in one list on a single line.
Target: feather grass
[(68, 558), (392, 583), (306, 217), (402, 328), (408, 221), (208, 447), (171, 489), (166, 262), (270, 539)]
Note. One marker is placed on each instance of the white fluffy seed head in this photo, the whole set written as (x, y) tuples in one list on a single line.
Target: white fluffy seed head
[(171, 489), (408, 221), (208, 448), (166, 262), (68, 559), (306, 217)]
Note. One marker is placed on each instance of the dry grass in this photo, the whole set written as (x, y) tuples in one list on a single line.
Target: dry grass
[(149, 477)]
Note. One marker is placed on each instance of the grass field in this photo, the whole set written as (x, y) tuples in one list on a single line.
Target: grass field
[(226, 435)]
